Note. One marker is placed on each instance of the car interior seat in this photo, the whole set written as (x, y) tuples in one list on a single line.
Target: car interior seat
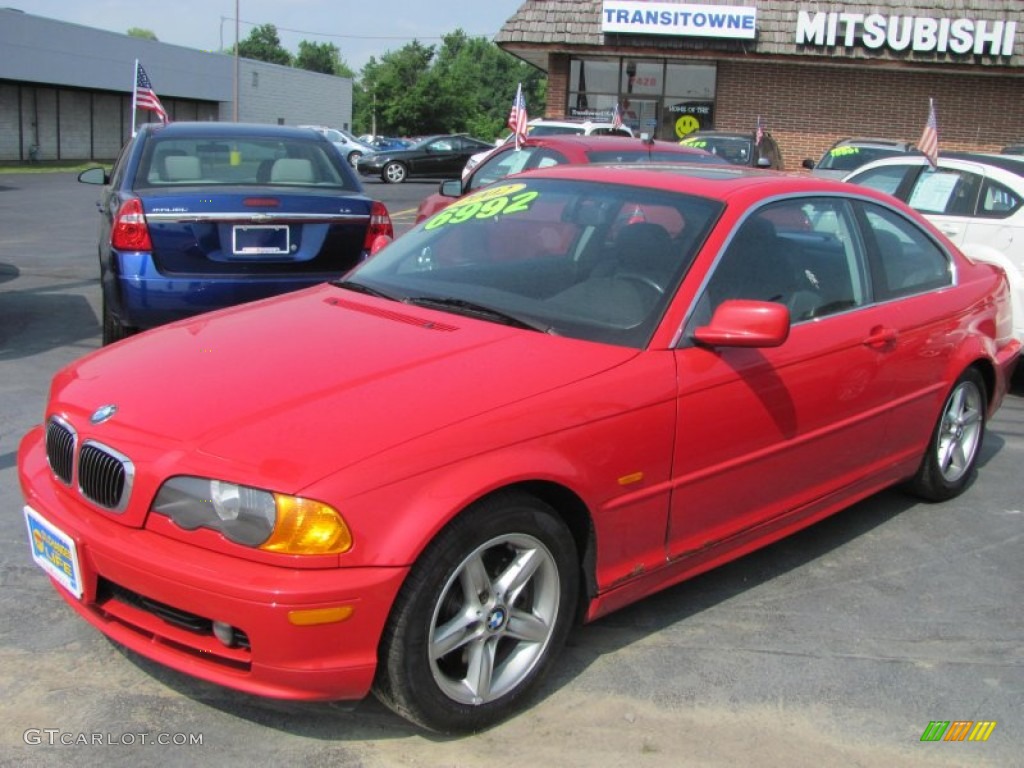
[(644, 251), (182, 168), (292, 170)]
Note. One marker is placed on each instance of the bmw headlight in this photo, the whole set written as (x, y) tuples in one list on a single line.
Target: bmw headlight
[(256, 518)]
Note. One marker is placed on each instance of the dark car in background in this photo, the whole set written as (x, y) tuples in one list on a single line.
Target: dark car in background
[(544, 151), (847, 155), (739, 148), (432, 157), (200, 216)]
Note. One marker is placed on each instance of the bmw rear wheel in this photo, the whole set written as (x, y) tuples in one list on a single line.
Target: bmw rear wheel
[(393, 173), (481, 616), (952, 454)]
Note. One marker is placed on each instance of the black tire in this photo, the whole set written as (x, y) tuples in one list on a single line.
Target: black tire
[(952, 455), (113, 330), (353, 157), (466, 642), (394, 173)]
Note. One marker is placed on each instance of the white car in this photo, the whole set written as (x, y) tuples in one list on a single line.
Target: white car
[(976, 200), (542, 126), (349, 146)]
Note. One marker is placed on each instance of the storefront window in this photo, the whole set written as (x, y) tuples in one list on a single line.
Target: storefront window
[(593, 88), (668, 100), (689, 100)]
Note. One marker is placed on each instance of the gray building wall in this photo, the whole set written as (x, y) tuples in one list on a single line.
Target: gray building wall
[(66, 89), (271, 93)]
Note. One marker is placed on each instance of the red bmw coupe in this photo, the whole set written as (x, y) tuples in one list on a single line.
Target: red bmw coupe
[(556, 396)]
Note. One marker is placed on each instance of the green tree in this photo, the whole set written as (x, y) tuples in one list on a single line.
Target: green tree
[(397, 83), (465, 85), (263, 44), (145, 34), (322, 57)]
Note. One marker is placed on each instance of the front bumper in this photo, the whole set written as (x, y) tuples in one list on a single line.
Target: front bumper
[(158, 597), (372, 168)]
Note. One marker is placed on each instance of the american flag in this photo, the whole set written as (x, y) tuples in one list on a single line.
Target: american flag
[(617, 116), (145, 97), (517, 118), (929, 143)]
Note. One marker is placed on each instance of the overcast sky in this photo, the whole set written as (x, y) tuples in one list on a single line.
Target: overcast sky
[(359, 28)]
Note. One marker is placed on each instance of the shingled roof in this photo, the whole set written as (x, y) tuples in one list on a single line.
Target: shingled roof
[(542, 26)]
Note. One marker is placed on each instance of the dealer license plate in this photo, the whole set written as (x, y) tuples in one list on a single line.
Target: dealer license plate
[(54, 551), (260, 240)]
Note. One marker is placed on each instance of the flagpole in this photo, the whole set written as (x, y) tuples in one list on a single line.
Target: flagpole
[(135, 88)]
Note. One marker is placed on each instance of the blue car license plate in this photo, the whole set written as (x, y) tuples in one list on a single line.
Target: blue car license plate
[(260, 240), (54, 551)]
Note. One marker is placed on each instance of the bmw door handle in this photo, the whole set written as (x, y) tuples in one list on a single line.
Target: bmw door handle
[(881, 337)]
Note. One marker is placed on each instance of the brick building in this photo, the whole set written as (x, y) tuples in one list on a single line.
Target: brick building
[(813, 72)]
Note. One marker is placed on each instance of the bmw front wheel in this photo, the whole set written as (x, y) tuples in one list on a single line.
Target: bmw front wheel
[(481, 616)]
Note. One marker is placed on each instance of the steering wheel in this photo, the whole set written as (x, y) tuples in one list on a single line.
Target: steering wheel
[(643, 279)]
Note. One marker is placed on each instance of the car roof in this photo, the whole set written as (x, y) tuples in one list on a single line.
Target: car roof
[(862, 141), (566, 121), (216, 130), (1009, 163), (713, 181), (610, 143), (722, 134)]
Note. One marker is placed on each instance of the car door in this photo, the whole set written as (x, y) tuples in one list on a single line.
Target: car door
[(508, 160), (429, 159), (908, 269), (998, 221), (948, 196), (767, 432), (444, 158)]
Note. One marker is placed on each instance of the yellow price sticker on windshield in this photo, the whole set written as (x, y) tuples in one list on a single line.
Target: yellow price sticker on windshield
[(501, 200)]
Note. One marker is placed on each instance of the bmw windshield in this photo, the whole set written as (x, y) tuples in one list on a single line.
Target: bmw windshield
[(580, 259)]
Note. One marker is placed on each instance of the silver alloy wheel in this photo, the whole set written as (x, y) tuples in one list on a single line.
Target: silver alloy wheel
[(960, 431), (353, 157), (394, 173), (494, 619)]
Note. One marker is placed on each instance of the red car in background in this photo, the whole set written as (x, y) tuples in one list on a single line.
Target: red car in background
[(545, 151)]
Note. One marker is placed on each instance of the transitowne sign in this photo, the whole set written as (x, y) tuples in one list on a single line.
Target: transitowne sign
[(643, 18)]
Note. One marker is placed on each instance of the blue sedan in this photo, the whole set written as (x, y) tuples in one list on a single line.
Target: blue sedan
[(201, 216)]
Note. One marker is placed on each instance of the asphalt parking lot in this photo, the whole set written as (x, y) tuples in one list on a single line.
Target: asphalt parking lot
[(835, 647)]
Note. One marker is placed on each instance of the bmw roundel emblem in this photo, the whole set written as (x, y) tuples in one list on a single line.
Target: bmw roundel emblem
[(103, 413)]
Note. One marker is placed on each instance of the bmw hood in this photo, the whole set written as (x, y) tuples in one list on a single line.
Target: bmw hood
[(290, 389)]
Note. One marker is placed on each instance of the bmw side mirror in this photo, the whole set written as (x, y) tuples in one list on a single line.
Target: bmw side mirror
[(450, 188)]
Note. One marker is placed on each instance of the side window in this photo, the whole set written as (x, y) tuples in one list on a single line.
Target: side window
[(885, 179), (946, 191), (545, 158), (997, 201), (904, 259), (500, 165), (802, 253)]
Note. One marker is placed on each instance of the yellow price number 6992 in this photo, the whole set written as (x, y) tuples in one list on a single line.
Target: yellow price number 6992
[(485, 205)]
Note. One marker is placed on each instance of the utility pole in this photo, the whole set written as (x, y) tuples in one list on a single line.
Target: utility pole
[(236, 63)]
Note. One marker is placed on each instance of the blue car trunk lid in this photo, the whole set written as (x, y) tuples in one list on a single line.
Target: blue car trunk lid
[(211, 232)]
